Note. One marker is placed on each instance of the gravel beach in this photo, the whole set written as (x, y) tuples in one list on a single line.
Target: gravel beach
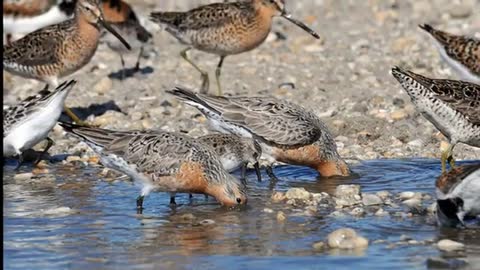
[(344, 77)]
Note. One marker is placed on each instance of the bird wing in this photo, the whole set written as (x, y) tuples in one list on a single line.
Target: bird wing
[(278, 122), (37, 48)]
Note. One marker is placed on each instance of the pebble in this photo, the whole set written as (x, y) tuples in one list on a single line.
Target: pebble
[(383, 194), (23, 176), (278, 196), (412, 202), (449, 245), (371, 199), (380, 213), (357, 211), (398, 115), (298, 193), (406, 195), (318, 245), (461, 10), (346, 238), (268, 210), (207, 222), (103, 86), (347, 190), (281, 216)]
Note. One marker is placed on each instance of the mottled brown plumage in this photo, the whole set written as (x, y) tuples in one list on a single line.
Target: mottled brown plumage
[(461, 52), (58, 50), (224, 28), (26, 7), (287, 132)]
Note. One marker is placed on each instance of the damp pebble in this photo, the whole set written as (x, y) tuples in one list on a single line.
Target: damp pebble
[(449, 245), (371, 199), (281, 216), (406, 195), (346, 238), (23, 176), (298, 193), (268, 210), (278, 196), (207, 222), (412, 202), (318, 245)]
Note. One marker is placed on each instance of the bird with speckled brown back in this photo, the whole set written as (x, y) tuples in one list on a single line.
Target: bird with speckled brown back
[(224, 29)]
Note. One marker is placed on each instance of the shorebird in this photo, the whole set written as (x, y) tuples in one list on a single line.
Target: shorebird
[(25, 16), (122, 18), (224, 29), (29, 122), (453, 107), (163, 161), (458, 195), (59, 50), (462, 53), (235, 152), (286, 132)]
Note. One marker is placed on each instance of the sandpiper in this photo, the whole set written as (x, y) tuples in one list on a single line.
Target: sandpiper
[(21, 17), (163, 161), (29, 122), (235, 152), (453, 107), (59, 50), (122, 18), (462, 53), (458, 195), (224, 29), (287, 132)]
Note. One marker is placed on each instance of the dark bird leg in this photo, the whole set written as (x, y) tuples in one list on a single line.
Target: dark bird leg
[(243, 173), (50, 143), (172, 200), (258, 172), (137, 65), (124, 72), (270, 173), (205, 80), (20, 162), (218, 72), (140, 204)]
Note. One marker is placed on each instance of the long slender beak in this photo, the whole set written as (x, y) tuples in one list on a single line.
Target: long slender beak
[(257, 170), (117, 35), (300, 24)]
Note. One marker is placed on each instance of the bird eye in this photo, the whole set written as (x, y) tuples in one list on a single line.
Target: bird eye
[(239, 200)]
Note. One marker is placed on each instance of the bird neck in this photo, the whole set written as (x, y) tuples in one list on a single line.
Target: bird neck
[(87, 29)]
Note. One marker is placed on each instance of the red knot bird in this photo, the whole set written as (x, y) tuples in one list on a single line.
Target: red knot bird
[(59, 50), (287, 132), (163, 161), (453, 107), (224, 29), (458, 195), (29, 122), (21, 17), (235, 152), (462, 53), (123, 19)]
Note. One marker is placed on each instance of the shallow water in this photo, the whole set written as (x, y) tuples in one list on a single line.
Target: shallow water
[(75, 219)]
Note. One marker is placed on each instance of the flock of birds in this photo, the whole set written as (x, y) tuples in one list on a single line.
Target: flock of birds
[(251, 127)]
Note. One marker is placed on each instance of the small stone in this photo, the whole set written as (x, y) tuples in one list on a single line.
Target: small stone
[(268, 210), (381, 213), (383, 194), (346, 238), (103, 86), (37, 171), (207, 222), (318, 245), (187, 217), (406, 195), (347, 190), (23, 176), (412, 202), (281, 217), (278, 196), (371, 199), (357, 211), (398, 115), (298, 193), (461, 10), (71, 159), (449, 245)]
